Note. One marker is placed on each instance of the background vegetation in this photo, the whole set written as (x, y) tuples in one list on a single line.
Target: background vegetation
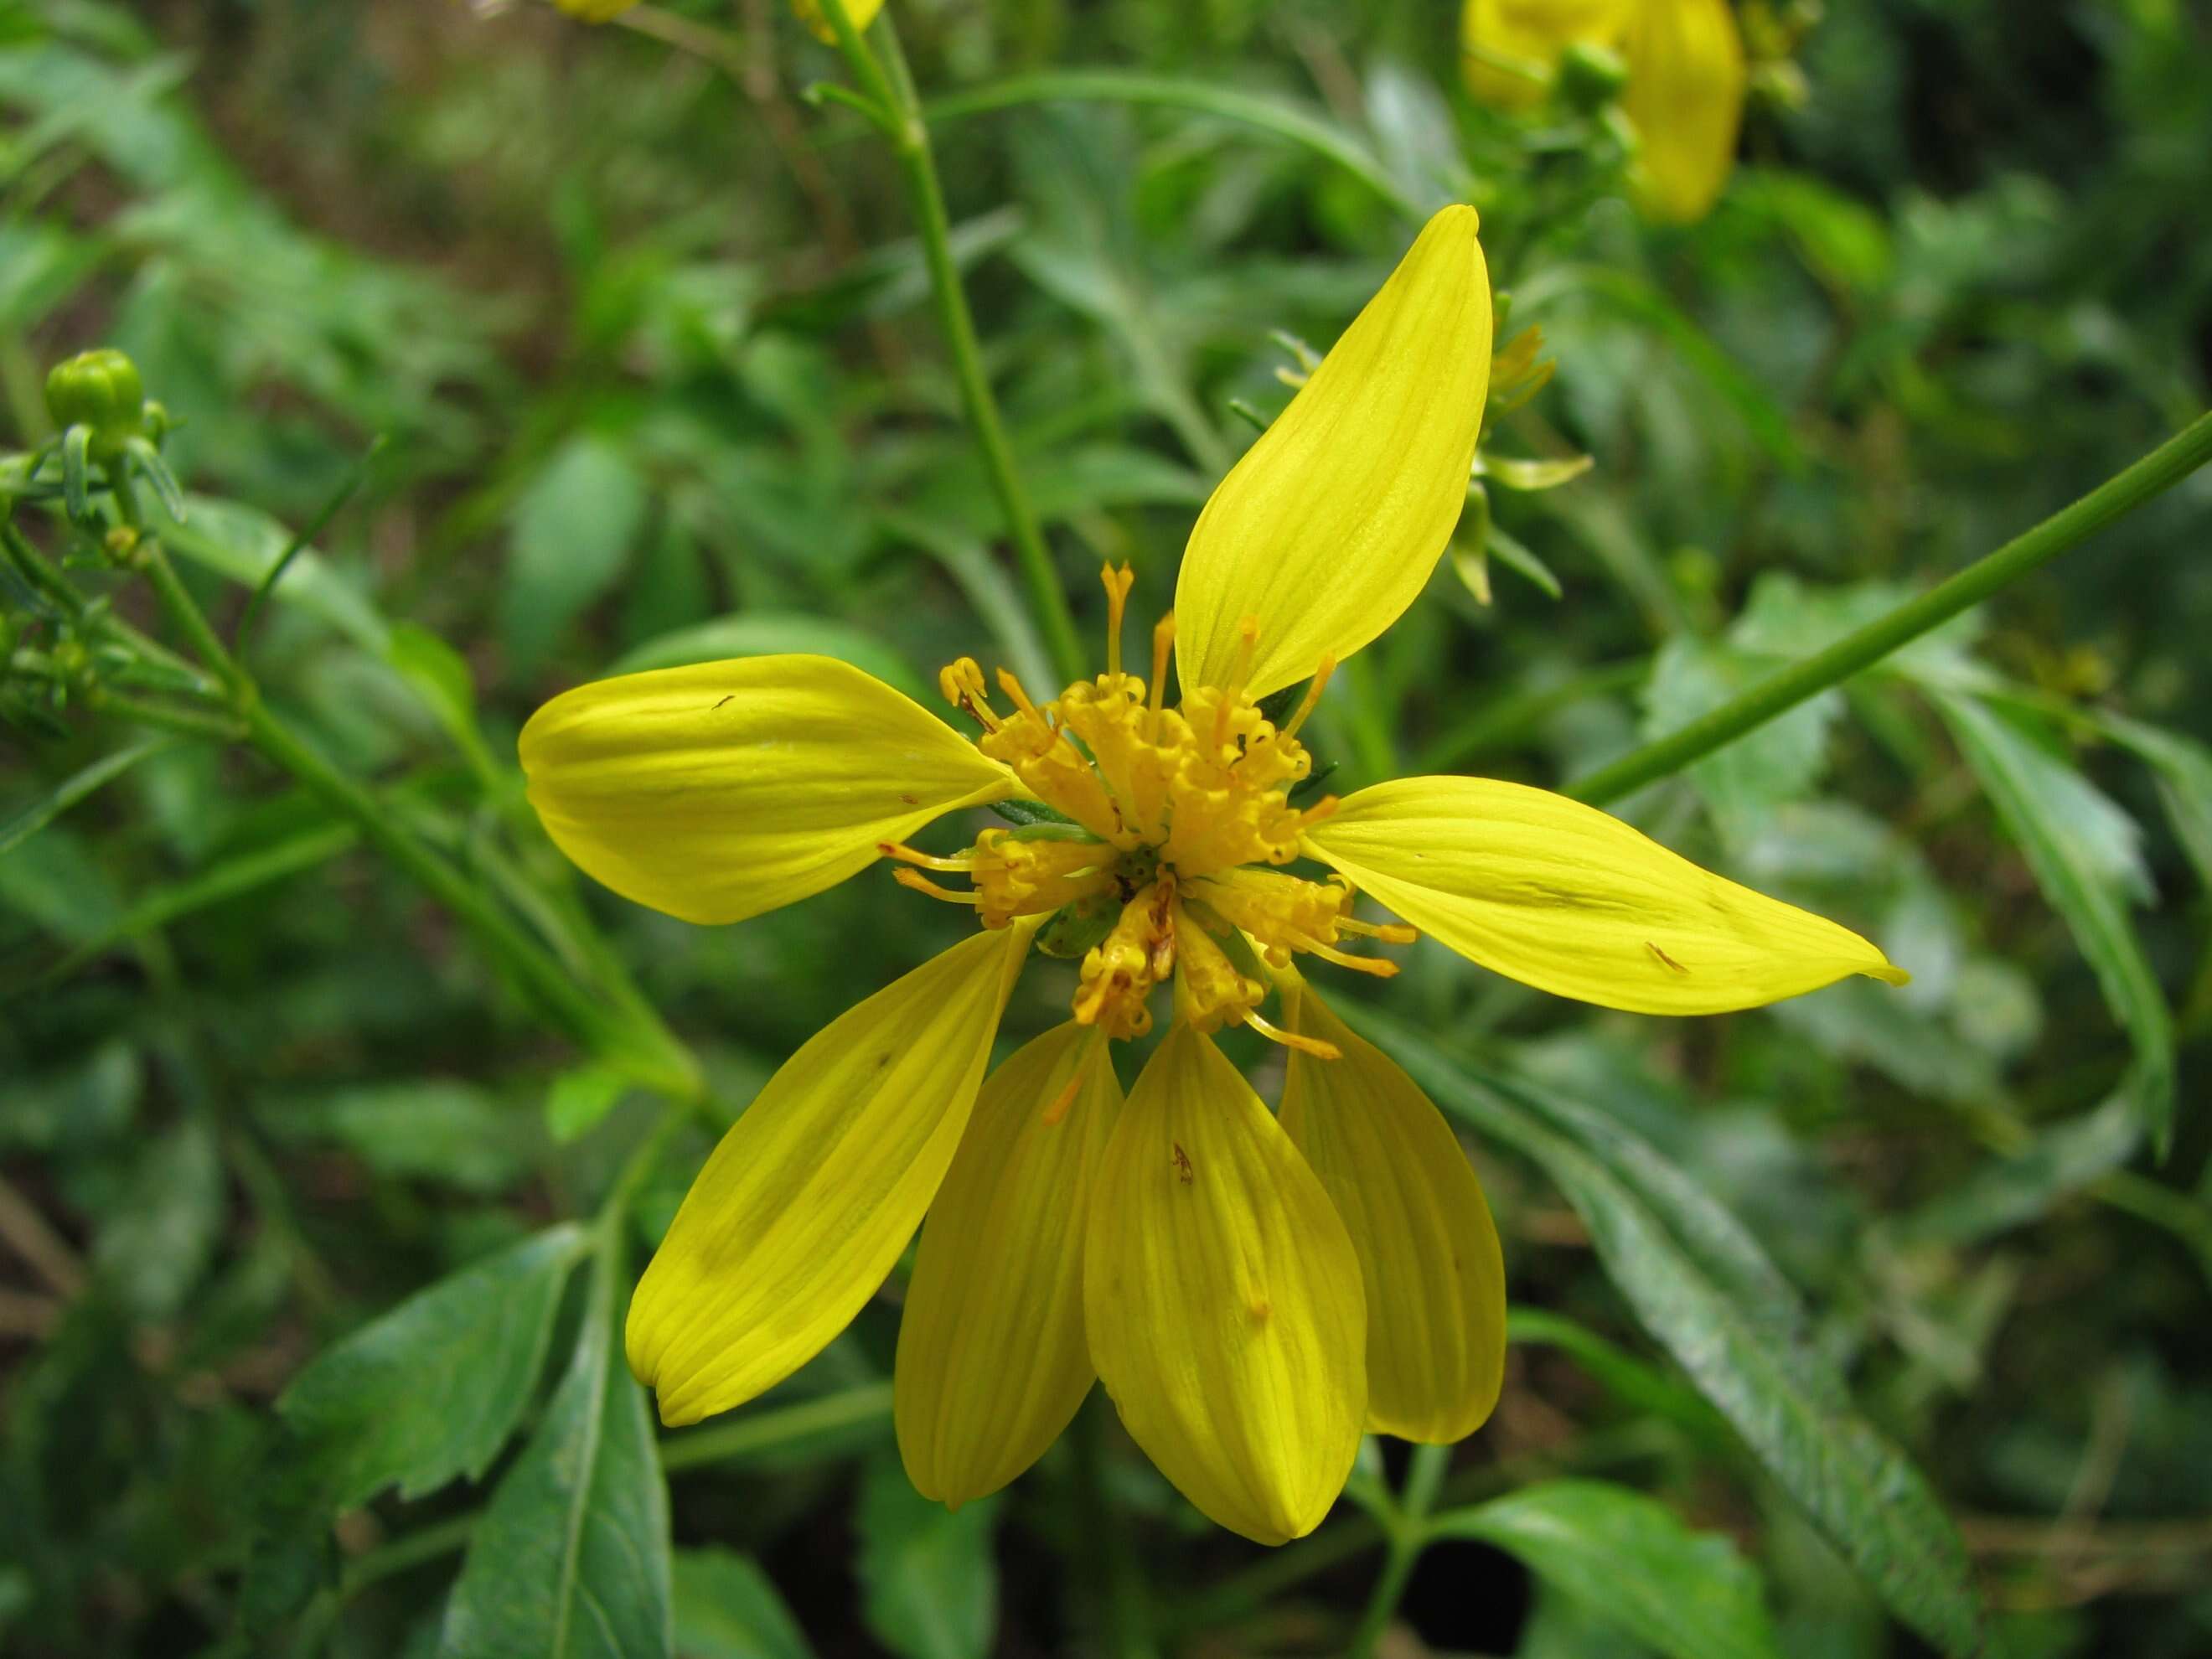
[(649, 348)]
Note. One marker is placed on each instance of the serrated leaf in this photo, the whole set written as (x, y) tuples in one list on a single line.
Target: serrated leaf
[(1633, 1562), (930, 1582), (571, 1560), (433, 1388), (37, 814), (769, 633), (1705, 1290), (728, 1608), (573, 528), (2083, 851), (2184, 767)]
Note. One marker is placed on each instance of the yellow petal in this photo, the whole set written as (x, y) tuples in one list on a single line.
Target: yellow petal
[(1329, 526), (1528, 33), (862, 12), (1561, 896), (1685, 96), (1223, 1299), (1435, 1281), (717, 792), (991, 1359), (810, 1198)]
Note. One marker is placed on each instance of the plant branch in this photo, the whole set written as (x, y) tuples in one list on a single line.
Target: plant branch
[(2164, 467)]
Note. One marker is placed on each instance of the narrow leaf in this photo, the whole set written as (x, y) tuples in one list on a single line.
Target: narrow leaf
[(74, 788), (2054, 817)]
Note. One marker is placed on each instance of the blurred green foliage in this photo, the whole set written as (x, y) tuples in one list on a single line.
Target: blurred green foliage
[(648, 343)]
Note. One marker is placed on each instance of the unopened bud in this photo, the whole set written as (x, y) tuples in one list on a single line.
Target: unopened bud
[(1591, 77), (100, 389)]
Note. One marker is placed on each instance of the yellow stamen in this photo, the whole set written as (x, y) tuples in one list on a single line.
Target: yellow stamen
[(962, 683), (1118, 584), (1012, 687), (1390, 932), (1312, 698), (921, 883), (1162, 643), (1313, 1046), (1381, 967), (891, 849)]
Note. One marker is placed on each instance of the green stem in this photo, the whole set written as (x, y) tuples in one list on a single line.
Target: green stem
[(187, 722), (1114, 87), (148, 556), (760, 1430), (1405, 1527), (1109, 1562), (893, 92), (2161, 470)]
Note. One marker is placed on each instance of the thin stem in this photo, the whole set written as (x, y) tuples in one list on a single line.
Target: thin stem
[(1107, 1560), (759, 1430), (909, 138), (186, 722), (2164, 467), (1405, 1525), (148, 555)]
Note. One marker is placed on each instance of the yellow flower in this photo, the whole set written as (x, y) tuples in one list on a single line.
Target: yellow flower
[(1685, 81), (862, 13), (1256, 1290)]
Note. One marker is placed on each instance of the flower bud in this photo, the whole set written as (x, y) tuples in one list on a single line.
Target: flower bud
[(1590, 75), (101, 390), (862, 12)]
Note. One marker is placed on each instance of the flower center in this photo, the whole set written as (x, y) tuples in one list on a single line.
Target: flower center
[(1164, 820)]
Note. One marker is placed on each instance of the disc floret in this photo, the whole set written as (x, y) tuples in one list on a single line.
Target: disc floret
[(1176, 816)]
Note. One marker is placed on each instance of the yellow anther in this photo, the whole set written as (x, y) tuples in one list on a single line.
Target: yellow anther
[(1380, 967), (1118, 584), (1390, 932), (1314, 1046), (1162, 643), (922, 884), (1311, 701), (962, 683)]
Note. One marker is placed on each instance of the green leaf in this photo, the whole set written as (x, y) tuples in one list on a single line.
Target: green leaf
[(768, 634), (2184, 767), (1631, 1558), (2082, 850), (244, 543), (573, 530), (1742, 782), (2025, 1184), (161, 1233), (433, 1388), (580, 1098), (1705, 1290), (930, 1582), (74, 788), (440, 676), (1525, 474), (74, 1105), (1628, 1379), (571, 1560), (431, 1129), (728, 1608)]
